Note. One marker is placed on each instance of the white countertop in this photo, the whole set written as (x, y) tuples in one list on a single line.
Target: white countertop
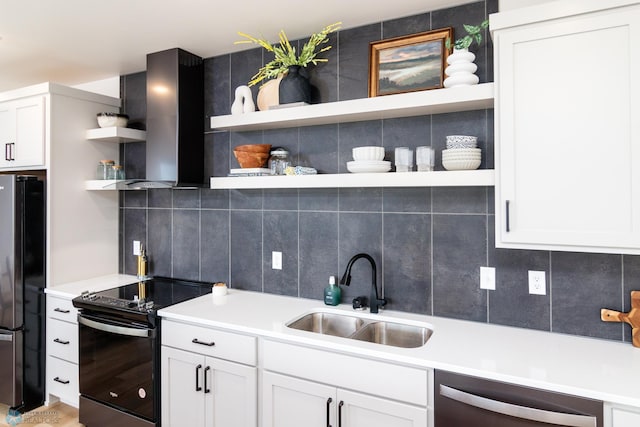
[(73, 289), (594, 368)]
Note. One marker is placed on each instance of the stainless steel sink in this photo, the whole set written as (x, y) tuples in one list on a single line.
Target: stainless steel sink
[(328, 323), (395, 334), (362, 329)]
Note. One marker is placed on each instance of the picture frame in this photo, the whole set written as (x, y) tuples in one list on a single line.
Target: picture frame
[(409, 63)]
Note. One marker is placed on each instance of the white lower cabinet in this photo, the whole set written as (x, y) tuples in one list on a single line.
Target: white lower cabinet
[(303, 386), (621, 416), (200, 390), (62, 351), (292, 402)]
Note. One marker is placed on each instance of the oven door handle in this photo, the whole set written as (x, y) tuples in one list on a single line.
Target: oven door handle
[(115, 329), (517, 411)]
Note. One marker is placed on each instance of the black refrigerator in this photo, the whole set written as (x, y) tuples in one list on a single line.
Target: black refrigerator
[(22, 300)]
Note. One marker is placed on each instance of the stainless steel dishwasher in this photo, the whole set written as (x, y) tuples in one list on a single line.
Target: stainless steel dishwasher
[(462, 401)]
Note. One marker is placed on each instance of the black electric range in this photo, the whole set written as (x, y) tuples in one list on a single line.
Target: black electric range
[(120, 349), (140, 301)]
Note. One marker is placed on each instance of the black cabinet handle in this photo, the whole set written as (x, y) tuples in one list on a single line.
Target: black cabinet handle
[(208, 344), (206, 387), (7, 151), (329, 400), (340, 405), (59, 341), (61, 381), (198, 388), (60, 310), (507, 216)]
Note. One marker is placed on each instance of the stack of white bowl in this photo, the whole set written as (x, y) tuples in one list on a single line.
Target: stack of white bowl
[(368, 159), (461, 153)]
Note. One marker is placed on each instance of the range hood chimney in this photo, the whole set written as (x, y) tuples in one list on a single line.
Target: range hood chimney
[(175, 112)]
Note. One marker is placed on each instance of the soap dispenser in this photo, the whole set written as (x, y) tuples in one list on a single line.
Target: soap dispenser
[(332, 293)]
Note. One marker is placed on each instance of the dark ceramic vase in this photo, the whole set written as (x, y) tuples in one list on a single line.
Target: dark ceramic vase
[(295, 86)]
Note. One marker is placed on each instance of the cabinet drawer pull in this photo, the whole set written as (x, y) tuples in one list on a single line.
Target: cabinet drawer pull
[(198, 388), (61, 310), (340, 405), (329, 400), (59, 341), (507, 216), (208, 344), (206, 387), (517, 411), (57, 379), (7, 151)]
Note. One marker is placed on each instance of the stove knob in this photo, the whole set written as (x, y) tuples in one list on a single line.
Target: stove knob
[(149, 305)]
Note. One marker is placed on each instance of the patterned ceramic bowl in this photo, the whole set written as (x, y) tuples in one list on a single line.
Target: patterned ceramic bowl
[(461, 141)]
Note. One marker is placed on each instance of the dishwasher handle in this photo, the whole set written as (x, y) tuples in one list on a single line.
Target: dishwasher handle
[(517, 411)]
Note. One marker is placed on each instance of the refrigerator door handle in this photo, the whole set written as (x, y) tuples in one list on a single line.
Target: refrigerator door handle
[(8, 337)]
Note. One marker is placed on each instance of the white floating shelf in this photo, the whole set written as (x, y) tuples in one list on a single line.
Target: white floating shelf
[(437, 101), (116, 134), (102, 184), (473, 178)]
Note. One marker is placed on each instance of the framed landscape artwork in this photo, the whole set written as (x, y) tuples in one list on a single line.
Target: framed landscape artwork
[(409, 63)]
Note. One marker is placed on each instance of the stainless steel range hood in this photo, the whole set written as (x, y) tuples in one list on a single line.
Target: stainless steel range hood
[(175, 117)]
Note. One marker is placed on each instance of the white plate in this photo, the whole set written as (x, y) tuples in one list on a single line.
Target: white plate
[(369, 166)]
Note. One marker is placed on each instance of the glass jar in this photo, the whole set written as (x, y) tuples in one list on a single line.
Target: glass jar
[(104, 169), (278, 161), (117, 172)]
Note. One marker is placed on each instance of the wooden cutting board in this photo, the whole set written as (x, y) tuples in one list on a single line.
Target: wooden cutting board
[(632, 317)]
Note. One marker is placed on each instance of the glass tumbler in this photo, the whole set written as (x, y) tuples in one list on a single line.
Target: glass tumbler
[(425, 158), (404, 159)]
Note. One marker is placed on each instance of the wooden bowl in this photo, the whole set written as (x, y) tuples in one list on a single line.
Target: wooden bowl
[(247, 159), (254, 148)]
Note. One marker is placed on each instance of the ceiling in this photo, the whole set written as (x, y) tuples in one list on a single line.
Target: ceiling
[(78, 41)]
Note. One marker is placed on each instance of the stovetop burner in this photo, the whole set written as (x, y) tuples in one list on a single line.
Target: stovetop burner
[(143, 299)]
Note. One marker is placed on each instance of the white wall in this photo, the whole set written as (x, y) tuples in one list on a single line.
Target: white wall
[(109, 87)]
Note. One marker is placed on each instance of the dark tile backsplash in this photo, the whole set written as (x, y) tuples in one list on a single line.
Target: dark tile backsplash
[(428, 243)]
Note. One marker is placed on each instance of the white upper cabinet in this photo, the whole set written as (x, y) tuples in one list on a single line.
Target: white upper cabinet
[(568, 128), (22, 136)]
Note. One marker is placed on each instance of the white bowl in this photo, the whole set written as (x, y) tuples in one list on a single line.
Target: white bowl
[(461, 155), (376, 166), (368, 153), (106, 120), (462, 151), (455, 165), (461, 141)]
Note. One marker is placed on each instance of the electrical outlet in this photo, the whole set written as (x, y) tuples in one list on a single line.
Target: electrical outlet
[(488, 278), (136, 247), (537, 283), (276, 260)]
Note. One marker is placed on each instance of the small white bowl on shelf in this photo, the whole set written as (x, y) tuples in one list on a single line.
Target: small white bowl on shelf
[(462, 152), (368, 153), (106, 120), (456, 165), (371, 166)]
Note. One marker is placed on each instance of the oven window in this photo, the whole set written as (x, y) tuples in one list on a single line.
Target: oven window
[(117, 369)]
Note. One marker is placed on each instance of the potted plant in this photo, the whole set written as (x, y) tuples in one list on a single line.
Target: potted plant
[(287, 63), (461, 68)]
